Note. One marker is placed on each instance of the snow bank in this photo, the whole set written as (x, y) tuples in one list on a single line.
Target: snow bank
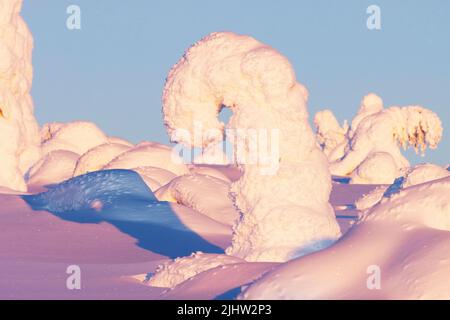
[(370, 105), (174, 272), (405, 237), (19, 145), (54, 167), (370, 199), (210, 171), (205, 194), (424, 173), (149, 155), (212, 155), (78, 137), (377, 168), (97, 157), (286, 214), (412, 176), (382, 132)]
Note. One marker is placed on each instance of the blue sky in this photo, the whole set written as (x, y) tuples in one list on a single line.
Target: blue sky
[(112, 71)]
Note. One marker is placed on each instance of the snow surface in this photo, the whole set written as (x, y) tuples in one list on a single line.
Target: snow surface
[(407, 236), (97, 157), (122, 198), (203, 193), (128, 240), (174, 272), (259, 85), (373, 144), (161, 176)]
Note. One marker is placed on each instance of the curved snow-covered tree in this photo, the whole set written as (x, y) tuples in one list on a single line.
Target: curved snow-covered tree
[(19, 132), (376, 139), (285, 214)]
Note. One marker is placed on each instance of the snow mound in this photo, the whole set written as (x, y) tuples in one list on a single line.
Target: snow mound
[(372, 198), (212, 155), (97, 157), (405, 239), (49, 129), (149, 155), (93, 191), (194, 191), (384, 131), (330, 135), (78, 137), (19, 131), (117, 140), (172, 273), (424, 173), (284, 215), (54, 167)]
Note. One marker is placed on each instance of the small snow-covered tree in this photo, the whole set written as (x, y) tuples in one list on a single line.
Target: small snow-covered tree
[(19, 132)]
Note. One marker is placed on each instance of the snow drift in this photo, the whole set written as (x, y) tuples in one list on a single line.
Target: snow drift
[(77, 136), (21, 147), (407, 237), (174, 272), (194, 191), (331, 137)]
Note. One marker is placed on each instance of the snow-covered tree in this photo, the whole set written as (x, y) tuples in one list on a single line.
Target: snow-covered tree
[(19, 132)]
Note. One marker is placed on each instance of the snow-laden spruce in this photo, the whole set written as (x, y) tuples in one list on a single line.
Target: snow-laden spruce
[(286, 214), (19, 138)]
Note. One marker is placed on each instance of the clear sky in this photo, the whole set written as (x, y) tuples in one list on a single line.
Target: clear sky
[(112, 71)]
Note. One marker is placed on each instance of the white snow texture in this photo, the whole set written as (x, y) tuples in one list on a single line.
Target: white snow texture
[(284, 215)]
